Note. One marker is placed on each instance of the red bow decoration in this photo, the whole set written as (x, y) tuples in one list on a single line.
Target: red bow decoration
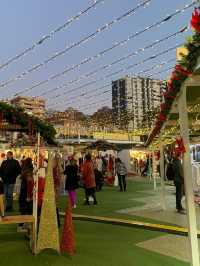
[(183, 71), (163, 106), (174, 75), (195, 21), (180, 148), (162, 117), (157, 155), (168, 96)]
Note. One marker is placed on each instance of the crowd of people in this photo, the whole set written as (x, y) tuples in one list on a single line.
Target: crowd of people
[(90, 173), (87, 172)]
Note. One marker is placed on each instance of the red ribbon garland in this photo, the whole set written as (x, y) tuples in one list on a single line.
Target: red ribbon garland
[(195, 23), (182, 70)]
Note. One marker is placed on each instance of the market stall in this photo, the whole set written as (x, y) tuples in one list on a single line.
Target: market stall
[(176, 119)]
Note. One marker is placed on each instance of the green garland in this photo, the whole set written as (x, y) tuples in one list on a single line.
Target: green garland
[(16, 115)]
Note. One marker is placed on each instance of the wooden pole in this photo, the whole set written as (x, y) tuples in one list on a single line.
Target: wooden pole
[(35, 199), (153, 170), (187, 169)]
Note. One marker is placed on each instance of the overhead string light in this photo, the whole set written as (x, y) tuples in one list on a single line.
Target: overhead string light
[(78, 43), (100, 103), (121, 70), (73, 98), (100, 54), (87, 92), (49, 36), (115, 73), (97, 94), (107, 92), (87, 75), (135, 53), (156, 66), (92, 104), (160, 72)]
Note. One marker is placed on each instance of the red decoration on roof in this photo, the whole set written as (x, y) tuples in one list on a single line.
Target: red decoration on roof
[(182, 70), (195, 21), (180, 148), (162, 117)]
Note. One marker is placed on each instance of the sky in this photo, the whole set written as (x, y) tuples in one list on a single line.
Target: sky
[(24, 22)]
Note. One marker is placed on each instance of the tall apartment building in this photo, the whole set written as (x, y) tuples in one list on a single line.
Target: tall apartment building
[(135, 100), (31, 105)]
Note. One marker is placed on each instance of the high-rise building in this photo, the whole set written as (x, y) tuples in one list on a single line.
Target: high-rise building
[(135, 101), (31, 105)]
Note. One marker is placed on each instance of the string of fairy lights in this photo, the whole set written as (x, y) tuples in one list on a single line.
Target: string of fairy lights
[(114, 73), (85, 39), (109, 120), (73, 98), (108, 99), (169, 133), (119, 60), (64, 98), (51, 34), (100, 54)]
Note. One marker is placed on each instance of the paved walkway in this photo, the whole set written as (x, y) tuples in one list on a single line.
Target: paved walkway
[(152, 208), (170, 245)]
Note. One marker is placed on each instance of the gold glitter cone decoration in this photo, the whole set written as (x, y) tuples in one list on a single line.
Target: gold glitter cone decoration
[(48, 236)]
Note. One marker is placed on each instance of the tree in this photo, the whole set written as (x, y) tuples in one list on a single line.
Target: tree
[(16, 116)]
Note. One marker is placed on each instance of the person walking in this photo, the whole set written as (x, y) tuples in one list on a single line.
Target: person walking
[(89, 179), (178, 182), (71, 183), (110, 171), (9, 170), (26, 192), (25, 196), (98, 173), (121, 173)]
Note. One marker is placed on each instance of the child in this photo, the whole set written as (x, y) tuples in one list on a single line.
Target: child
[(1, 199)]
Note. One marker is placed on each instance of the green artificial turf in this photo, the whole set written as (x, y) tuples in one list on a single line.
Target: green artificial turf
[(97, 245), (110, 200)]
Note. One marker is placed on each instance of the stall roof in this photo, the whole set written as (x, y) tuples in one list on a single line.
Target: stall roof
[(170, 128)]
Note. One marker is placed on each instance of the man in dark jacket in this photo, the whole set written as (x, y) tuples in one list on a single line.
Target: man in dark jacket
[(9, 171), (178, 181)]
